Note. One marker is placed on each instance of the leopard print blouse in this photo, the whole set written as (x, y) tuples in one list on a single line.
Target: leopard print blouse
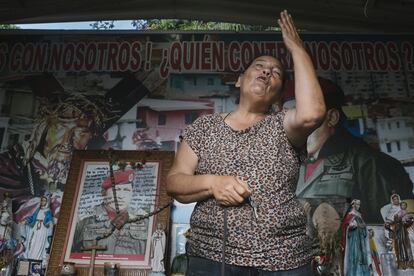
[(262, 154)]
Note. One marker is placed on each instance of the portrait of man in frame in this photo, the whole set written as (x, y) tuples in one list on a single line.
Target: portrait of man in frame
[(114, 207)]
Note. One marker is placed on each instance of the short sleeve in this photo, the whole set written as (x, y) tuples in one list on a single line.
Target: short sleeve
[(279, 118), (194, 135)]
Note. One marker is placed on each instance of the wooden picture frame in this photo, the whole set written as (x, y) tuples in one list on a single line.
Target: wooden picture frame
[(85, 198)]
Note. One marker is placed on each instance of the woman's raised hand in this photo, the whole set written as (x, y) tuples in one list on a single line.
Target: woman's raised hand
[(289, 33)]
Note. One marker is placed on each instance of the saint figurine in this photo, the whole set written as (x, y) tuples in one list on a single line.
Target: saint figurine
[(39, 233), (6, 218), (355, 242), (390, 210), (158, 241), (400, 237)]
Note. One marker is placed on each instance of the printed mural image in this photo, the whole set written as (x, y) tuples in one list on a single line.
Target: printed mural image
[(63, 122), (60, 93), (155, 124), (340, 166)]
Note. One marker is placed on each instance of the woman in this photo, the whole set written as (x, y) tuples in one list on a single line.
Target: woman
[(241, 169), (40, 232), (355, 241)]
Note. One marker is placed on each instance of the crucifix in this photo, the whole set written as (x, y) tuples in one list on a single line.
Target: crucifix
[(93, 248)]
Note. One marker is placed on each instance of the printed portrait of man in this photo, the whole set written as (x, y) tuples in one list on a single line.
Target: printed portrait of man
[(338, 168), (64, 121), (111, 220)]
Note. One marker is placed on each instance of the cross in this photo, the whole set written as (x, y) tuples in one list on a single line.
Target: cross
[(93, 248)]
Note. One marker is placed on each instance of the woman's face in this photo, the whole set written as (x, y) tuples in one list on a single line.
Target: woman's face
[(262, 81), (395, 200), (357, 204), (43, 202)]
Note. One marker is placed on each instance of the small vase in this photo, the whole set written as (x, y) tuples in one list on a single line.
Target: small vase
[(68, 269)]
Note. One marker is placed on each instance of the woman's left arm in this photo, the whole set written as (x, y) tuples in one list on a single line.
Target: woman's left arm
[(310, 107)]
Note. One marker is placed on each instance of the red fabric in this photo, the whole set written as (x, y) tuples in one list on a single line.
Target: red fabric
[(111, 213), (344, 226), (377, 265), (310, 168), (117, 219), (121, 177)]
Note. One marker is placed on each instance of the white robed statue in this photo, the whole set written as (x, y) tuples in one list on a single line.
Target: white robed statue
[(158, 240), (389, 211), (38, 231)]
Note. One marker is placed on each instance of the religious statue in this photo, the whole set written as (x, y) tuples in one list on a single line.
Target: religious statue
[(400, 236), (6, 220), (7, 242), (388, 212), (355, 243), (38, 232), (158, 241), (326, 222)]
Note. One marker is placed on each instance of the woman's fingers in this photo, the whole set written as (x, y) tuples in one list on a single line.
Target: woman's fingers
[(290, 23), (281, 25), (287, 25), (283, 22), (241, 187), (233, 191), (235, 199), (289, 33)]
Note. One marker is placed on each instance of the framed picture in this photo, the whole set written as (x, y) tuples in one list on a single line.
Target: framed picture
[(35, 268), (113, 202), (178, 239), (29, 267)]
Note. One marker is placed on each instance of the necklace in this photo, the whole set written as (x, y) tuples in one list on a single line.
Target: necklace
[(227, 115), (242, 126)]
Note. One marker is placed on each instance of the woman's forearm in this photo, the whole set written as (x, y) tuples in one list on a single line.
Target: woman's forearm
[(310, 107), (190, 188)]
